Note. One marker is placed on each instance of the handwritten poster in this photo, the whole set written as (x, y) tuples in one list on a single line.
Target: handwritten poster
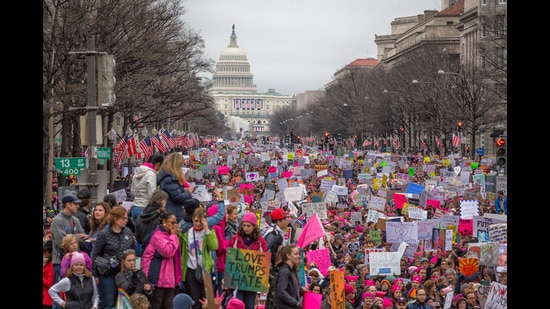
[(397, 232), (321, 257), (319, 208), (337, 293), (385, 263), (498, 296), (247, 269)]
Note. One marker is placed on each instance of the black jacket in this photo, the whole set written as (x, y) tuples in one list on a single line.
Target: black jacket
[(176, 193), (287, 289), (146, 222), (110, 244)]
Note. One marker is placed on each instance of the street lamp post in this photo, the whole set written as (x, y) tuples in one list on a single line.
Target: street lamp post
[(129, 132), (111, 135)]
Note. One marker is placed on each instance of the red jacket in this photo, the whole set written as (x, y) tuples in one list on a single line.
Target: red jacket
[(259, 245), (47, 281)]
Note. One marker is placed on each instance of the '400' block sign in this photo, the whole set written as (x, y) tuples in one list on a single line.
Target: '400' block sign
[(247, 270)]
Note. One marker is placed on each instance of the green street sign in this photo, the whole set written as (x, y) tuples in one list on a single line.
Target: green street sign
[(69, 166), (104, 153)]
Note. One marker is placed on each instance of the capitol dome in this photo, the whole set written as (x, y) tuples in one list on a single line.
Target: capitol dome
[(233, 69)]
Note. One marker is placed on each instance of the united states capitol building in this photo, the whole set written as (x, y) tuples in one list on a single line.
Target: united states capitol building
[(246, 111)]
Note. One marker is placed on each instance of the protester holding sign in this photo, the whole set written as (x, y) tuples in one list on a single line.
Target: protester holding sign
[(248, 236)]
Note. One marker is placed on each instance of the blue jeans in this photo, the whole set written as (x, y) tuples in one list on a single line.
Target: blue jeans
[(57, 277), (248, 298), (135, 211), (218, 286), (108, 291)]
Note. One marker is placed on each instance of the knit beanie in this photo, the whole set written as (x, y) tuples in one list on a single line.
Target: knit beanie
[(235, 303), (77, 257), (250, 218)]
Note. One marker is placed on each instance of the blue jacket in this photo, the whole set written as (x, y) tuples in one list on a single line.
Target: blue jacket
[(176, 193), (212, 220)]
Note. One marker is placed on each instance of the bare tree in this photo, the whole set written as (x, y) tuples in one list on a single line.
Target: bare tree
[(157, 58)]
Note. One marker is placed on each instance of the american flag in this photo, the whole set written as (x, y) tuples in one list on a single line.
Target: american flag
[(158, 143), (366, 143), (301, 220), (180, 140), (422, 143), (131, 142), (438, 142), (120, 150), (168, 139), (456, 140), (395, 143), (376, 143), (146, 147)]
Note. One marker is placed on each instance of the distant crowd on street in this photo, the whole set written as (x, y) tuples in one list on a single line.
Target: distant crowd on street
[(364, 229)]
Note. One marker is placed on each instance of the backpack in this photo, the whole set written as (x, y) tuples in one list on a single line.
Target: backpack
[(275, 245)]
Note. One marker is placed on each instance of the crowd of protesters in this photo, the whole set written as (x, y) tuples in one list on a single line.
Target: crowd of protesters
[(103, 238)]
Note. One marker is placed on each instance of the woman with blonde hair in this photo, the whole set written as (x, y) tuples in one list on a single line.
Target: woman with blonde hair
[(70, 244), (171, 179)]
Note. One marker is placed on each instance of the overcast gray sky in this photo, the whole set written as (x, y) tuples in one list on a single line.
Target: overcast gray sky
[(297, 45)]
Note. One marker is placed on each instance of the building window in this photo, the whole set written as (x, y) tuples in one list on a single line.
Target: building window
[(483, 2), (501, 1), (483, 30), (501, 25), (449, 23)]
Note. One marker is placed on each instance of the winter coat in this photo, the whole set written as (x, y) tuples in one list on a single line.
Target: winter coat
[(47, 282), (259, 244), (176, 193), (161, 259), (287, 289), (110, 244), (146, 222), (132, 281), (144, 183)]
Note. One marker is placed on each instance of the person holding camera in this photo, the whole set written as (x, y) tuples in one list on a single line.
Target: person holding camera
[(131, 279), (110, 245)]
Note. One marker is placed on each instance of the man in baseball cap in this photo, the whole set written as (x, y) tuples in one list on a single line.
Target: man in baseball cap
[(70, 198)]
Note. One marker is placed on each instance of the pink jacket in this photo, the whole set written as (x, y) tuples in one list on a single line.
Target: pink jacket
[(168, 273), (219, 228), (222, 248)]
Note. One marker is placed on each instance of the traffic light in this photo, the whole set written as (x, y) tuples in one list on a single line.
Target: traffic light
[(459, 125), (326, 137), (502, 153), (105, 80)]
